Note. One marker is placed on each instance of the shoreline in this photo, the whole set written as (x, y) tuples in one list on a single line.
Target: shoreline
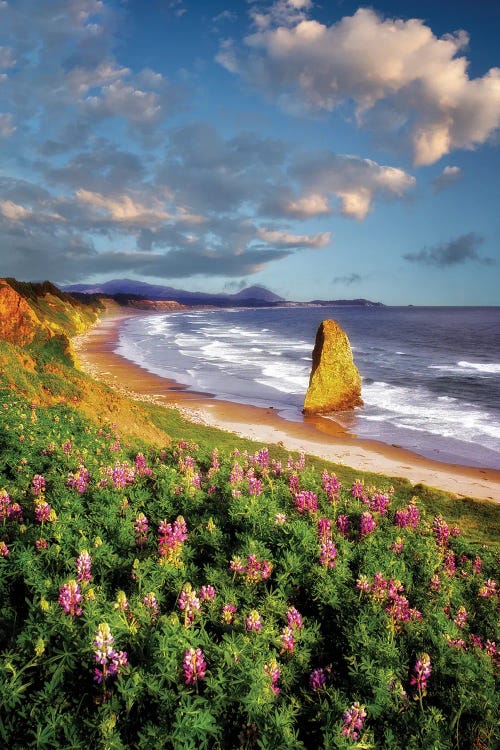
[(319, 437)]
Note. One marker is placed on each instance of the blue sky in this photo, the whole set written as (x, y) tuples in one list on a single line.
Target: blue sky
[(321, 149)]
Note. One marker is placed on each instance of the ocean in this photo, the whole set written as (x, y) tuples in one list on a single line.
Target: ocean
[(430, 376)]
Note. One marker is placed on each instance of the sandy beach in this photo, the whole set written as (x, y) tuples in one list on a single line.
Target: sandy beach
[(314, 435)]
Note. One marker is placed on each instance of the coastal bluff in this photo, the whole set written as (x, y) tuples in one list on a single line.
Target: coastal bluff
[(335, 382)]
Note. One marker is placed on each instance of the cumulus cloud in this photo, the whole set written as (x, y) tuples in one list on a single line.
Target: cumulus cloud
[(123, 208), (453, 253), (449, 176), (420, 80), (354, 181)]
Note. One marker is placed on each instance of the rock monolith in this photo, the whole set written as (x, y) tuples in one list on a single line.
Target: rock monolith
[(335, 382)]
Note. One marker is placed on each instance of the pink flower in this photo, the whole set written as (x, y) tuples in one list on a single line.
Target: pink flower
[(273, 671), (421, 673), (170, 539), (343, 524), (331, 485), (306, 502), (228, 613), (461, 617), (279, 519), (435, 583), (397, 546), (194, 666), (488, 589), (41, 544), (42, 511), (358, 489), (83, 564), (367, 524), (207, 593), (254, 486), (294, 618), (4, 550), (189, 603), (324, 529), (70, 598), (151, 604), (353, 720), (38, 485), (140, 466), (328, 554), (141, 525), (477, 565), (441, 531), (253, 621), (287, 639)]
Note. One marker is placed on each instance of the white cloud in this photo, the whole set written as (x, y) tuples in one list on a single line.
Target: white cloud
[(308, 206), (287, 239), (374, 63)]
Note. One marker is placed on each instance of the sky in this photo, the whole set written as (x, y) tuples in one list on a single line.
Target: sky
[(323, 150)]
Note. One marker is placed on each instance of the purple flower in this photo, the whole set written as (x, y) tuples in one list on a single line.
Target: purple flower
[(353, 720), (328, 554), (228, 613), (317, 678), (330, 485), (343, 524), (287, 639), (306, 501), (83, 565), (421, 673), (207, 593), (324, 529), (141, 525), (194, 666), (254, 486), (4, 550), (366, 525), (110, 662), (38, 485), (151, 604), (461, 617), (294, 618), (70, 597), (42, 511), (189, 603)]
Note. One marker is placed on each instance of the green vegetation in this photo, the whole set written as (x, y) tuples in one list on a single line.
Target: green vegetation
[(253, 602), (164, 584)]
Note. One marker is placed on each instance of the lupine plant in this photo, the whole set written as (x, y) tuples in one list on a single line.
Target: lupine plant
[(193, 597)]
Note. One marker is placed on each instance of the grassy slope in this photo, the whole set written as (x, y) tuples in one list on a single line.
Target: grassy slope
[(44, 372)]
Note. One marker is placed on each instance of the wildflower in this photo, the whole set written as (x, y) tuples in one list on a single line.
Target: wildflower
[(317, 678), (358, 489), (207, 593), (331, 485), (421, 673), (4, 550), (461, 617), (279, 519), (328, 554), (170, 540), (189, 603), (83, 564), (254, 486), (194, 666), (253, 621), (141, 524), (477, 565), (306, 501), (294, 618), (441, 531), (363, 584), (287, 639), (228, 613), (40, 544), (121, 602), (397, 546), (274, 673), (79, 480), (70, 597), (343, 524), (110, 662), (66, 447), (293, 484), (42, 511), (366, 525), (151, 604), (449, 564), (237, 475), (408, 517), (324, 529), (378, 503), (353, 720), (435, 583), (457, 643), (236, 565), (140, 466), (488, 589), (476, 640), (38, 485), (253, 570)]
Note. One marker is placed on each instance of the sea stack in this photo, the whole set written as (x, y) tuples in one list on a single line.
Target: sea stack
[(335, 382)]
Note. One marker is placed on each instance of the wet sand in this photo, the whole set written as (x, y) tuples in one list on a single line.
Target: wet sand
[(313, 435)]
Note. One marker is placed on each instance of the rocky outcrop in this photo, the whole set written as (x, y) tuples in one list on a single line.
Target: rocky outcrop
[(18, 322), (335, 382)]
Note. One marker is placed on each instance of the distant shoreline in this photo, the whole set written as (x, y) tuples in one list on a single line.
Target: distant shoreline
[(320, 437)]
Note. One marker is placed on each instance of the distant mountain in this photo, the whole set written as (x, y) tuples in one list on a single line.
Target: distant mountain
[(254, 296), (346, 303)]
